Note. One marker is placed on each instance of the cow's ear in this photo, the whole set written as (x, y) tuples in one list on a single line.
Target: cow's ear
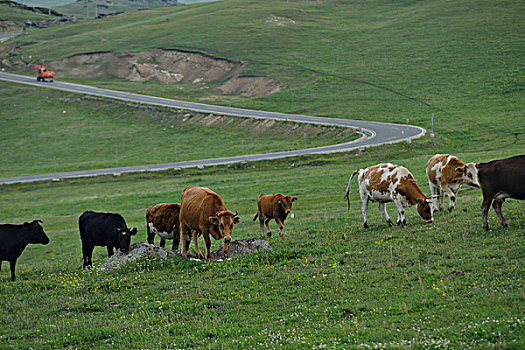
[(294, 199), (133, 232), (236, 220), (214, 220)]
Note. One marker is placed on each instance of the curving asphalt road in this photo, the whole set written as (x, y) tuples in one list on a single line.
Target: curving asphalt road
[(373, 133)]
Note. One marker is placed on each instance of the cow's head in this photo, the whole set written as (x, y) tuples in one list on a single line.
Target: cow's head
[(37, 234), (424, 208), (225, 220), (468, 174), (286, 203), (124, 237)]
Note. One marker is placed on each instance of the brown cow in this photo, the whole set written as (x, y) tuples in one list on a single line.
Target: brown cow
[(163, 220), (500, 179), (447, 173), (385, 183), (273, 206), (204, 212)]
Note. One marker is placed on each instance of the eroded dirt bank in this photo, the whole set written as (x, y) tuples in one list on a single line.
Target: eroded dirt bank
[(167, 66)]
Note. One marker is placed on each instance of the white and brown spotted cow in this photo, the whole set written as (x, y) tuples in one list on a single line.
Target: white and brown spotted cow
[(446, 174), (163, 220), (385, 183)]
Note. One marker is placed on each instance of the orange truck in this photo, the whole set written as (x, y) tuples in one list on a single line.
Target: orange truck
[(43, 73)]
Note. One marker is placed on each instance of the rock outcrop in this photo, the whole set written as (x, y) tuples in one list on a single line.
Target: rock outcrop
[(140, 251)]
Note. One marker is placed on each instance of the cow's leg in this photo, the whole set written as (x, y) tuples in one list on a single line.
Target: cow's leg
[(261, 224), (267, 223), (382, 209), (13, 264), (184, 233), (176, 240), (364, 209), (110, 251), (207, 243), (151, 235), (434, 191), (497, 208), (280, 224), (195, 235), (485, 205), (401, 221), (162, 242), (451, 197), (87, 252), (452, 192)]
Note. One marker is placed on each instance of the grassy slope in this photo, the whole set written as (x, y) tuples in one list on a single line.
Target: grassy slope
[(20, 16), (376, 60), (424, 286), (83, 133), (448, 284)]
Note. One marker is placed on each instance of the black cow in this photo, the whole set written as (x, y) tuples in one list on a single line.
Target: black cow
[(103, 229), (500, 179), (15, 238)]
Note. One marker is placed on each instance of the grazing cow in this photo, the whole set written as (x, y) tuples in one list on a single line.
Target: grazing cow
[(103, 229), (500, 179), (15, 238), (273, 206), (163, 220), (385, 183), (204, 212), (446, 174)]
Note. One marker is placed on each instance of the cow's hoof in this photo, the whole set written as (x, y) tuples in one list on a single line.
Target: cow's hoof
[(365, 225), (505, 225), (269, 234), (390, 223)]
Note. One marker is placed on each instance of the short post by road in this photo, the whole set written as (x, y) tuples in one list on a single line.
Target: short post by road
[(116, 158), (242, 146), (176, 154)]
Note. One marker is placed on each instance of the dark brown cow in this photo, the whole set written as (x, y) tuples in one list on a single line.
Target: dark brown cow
[(500, 179), (203, 212), (163, 220), (273, 206)]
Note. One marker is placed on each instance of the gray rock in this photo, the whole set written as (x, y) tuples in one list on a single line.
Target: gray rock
[(141, 251)]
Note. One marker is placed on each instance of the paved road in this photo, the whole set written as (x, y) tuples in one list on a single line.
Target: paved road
[(373, 133)]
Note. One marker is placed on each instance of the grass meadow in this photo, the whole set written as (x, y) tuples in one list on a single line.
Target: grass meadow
[(328, 283)]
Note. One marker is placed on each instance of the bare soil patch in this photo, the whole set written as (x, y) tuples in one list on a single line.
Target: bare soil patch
[(167, 66)]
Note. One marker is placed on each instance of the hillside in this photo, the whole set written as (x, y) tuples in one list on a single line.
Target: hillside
[(328, 283), (376, 60)]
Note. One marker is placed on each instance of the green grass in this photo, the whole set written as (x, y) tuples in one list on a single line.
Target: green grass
[(329, 282), (20, 16), (85, 133), (425, 286)]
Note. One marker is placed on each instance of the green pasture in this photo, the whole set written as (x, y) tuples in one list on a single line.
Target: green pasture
[(82, 133), (328, 283), (19, 16)]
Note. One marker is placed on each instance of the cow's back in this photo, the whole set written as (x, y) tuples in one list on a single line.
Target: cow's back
[(98, 228), (504, 175), (9, 241), (197, 205), (163, 216), (267, 204)]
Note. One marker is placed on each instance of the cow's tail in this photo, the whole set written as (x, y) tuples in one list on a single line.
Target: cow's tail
[(255, 217), (347, 194)]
